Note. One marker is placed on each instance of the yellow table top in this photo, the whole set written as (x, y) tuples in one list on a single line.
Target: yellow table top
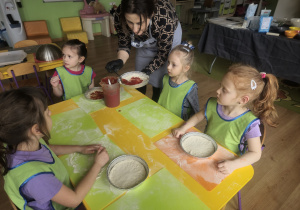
[(141, 127)]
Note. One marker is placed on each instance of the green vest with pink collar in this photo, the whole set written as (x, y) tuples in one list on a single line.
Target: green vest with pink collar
[(73, 84), (18, 176), (227, 133)]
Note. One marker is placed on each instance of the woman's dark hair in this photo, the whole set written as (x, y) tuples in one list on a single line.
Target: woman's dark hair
[(20, 110), (143, 8), (79, 46)]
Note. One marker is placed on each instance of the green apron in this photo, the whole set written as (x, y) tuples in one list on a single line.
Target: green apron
[(172, 98), (228, 133), (17, 177), (74, 84)]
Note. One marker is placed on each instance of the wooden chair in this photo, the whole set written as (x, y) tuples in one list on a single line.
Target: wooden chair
[(37, 30), (25, 43), (72, 29), (26, 69)]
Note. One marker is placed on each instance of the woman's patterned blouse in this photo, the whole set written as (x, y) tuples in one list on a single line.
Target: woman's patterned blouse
[(164, 23)]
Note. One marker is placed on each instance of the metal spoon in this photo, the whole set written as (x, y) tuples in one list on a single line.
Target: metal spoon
[(120, 78)]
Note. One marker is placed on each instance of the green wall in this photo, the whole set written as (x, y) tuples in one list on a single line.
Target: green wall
[(51, 12)]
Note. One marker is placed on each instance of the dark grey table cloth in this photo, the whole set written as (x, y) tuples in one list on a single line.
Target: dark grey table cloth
[(277, 55)]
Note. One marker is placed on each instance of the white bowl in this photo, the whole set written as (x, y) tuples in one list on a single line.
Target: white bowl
[(295, 22), (131, 74)]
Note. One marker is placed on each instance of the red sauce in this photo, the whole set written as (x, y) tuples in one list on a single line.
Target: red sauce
[(132, 81), (96, 95), (111, 91), (112, 97)]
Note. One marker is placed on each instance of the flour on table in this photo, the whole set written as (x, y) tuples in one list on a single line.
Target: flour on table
[(198, 146), (127, 174)]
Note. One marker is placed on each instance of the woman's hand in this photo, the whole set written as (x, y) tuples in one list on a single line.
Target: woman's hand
[(178, 132), (147, 71), (101, 157), (114, 66)]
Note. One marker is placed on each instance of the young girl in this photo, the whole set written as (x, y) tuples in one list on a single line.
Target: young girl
[(179, 94), (34, 176), (74, 78), (229, 120)]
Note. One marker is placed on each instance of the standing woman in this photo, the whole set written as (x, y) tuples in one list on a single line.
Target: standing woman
[(153, 28)]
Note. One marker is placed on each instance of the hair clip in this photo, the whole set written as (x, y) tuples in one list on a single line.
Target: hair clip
[(186, 49), (263, 74), (186, 44), (253, 84)]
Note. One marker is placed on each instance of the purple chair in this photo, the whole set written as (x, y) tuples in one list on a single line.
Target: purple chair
[(4, 86), (26, 69)]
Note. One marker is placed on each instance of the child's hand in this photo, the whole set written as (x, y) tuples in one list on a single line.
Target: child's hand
[(226, 167), (89, 149), (178, 132), (54, 81), (101, 157)]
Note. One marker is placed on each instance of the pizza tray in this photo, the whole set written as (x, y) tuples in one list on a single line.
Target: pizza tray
[(131, 74), (88, 92), (202, 135), (127, 157)]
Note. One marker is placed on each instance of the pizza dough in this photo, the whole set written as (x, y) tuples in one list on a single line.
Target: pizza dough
[(198, 146), (127, 174)]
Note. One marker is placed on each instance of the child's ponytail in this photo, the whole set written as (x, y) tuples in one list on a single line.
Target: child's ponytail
[(263, 106)]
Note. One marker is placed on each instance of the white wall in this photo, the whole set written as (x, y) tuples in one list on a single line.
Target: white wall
[(287, 9)]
